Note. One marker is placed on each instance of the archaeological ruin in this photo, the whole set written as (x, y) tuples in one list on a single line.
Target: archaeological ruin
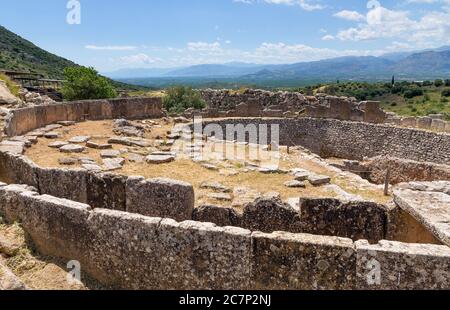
[(341, 195)]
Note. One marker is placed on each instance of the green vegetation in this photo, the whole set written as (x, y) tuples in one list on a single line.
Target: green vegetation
[(403, 98), (13, 87), (18, 54), (85, 83), (180, 98)]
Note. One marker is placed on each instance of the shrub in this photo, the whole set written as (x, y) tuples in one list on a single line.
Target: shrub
[(411, 93), (446, 93), (83, 83), (447, 82), (180, 98), (13, 87), (438, 83)]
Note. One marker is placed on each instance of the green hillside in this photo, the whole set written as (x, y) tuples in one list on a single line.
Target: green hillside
[(19, 54)]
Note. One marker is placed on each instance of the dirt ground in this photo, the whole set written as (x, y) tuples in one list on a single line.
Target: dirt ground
[(37, 272), (236, 174)]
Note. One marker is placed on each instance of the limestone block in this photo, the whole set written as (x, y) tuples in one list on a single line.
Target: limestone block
[(393, 265), (270, 215), (106, 191), (63, 183), (58, 227), (354, 220), (438, 125), (11, 204), (373, 113), (409, 122), (218, 215), (424, 122), (160, 198), (302, 262), (204, 256)]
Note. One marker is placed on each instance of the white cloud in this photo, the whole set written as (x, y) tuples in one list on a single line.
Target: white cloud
[(433, 28), (139, 59), (204, 46), (307, 5), (328, 37), (350, 15), (111, 48)]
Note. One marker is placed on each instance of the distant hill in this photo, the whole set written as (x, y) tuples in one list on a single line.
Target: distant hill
[(18, 54), (214, 70), (418, 65)]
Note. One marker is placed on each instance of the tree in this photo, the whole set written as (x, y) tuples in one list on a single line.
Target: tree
[(83, 83), (393, 80), (438, 83), (447, 82), (180, 98)]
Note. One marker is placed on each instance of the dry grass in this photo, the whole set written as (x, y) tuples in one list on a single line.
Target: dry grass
[(36, 271), (186, 170)]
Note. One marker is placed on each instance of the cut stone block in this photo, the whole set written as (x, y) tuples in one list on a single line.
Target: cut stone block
[(72, 148), (80, 139), (110, 154), (159, 159)]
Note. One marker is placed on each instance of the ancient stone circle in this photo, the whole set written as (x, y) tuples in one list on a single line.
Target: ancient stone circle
[(137, 233)]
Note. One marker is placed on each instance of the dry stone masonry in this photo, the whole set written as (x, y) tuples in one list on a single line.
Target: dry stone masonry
[(137, 233)]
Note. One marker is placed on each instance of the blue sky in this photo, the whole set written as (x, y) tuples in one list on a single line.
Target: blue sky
[(171, 33)]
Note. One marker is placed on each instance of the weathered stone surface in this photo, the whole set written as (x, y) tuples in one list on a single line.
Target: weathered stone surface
[(91, 167), (106, 191), (8, 281), (79, 139), (301, 175), (295, 184), (318, 180), (268, 215), (300, 261), (220, 196), (430, 208), (160, 198), (218, 215), (57, 144), (72, 148), (393, 265), (66, 123), (62, 183), (51, 135), (110, 154), (354, 220), (99, 146), (216, 186), (353, 140), (67, 161), (111, 164), (402, 170), (18, 169), (159, 159), (129, 141), (135, 158), (13, 147)]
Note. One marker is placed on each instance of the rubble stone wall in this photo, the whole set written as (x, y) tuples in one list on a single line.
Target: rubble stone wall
[(402, 170), (352, 140), (24, 120), (155, 197), (131, 251), (262, 103)]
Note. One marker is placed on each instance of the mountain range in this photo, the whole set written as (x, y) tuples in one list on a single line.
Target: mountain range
[(425, 64)]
